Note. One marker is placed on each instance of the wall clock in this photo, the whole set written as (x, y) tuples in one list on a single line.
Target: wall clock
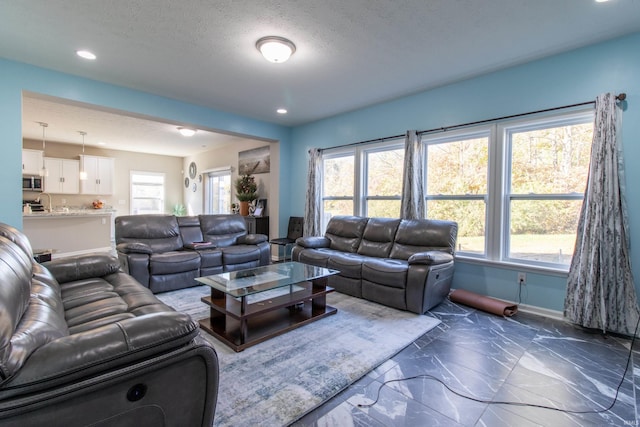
[(193, 170)]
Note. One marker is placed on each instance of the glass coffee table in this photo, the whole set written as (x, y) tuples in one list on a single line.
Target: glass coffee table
[(250, 306)]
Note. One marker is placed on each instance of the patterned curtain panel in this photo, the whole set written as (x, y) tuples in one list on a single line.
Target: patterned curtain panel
[(600, 290), (313, 203), (412, 205)]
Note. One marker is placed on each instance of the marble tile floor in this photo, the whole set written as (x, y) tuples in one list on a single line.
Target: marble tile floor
[(522, 359)]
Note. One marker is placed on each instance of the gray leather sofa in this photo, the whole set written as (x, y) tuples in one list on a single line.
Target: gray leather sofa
[(165, 252), (82, 343), (405, 264)]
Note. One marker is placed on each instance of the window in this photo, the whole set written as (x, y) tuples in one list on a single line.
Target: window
[(546, 178), (515, 189), (338, 185), (456, 189), (383, 181), (147, 192), (218, 192), (364, 181)]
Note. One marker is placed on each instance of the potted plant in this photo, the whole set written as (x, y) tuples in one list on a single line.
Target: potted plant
[(246, 191)]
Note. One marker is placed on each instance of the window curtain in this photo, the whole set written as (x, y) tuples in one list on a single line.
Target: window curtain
[(312, 205), (600, 289), (412, 205)]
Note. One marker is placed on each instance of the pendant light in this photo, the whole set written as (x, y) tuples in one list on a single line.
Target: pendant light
[(43, 171), (83, 173)]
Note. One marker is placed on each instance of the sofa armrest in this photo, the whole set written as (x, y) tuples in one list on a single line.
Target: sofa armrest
[(431, 258), (252, 239), (313, 242), (82, 267), (194, 246), (134, 248), (112, 346)]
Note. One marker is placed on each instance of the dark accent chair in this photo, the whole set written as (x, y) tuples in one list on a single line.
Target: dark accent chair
[(405, 264), (294, 230), (82, 343)]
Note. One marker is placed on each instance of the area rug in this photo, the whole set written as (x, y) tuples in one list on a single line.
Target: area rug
[(278, 381)]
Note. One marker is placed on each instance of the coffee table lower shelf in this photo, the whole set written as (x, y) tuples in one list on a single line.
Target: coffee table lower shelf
[(264, 320)]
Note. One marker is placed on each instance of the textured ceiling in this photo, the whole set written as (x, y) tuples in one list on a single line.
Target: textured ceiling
[(350, 54)]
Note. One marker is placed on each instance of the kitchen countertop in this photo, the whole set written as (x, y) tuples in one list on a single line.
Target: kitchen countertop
[(71, 212)]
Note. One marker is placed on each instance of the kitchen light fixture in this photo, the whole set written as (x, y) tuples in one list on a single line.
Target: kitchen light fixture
[(43, 171), (86, 54), (186, 131), (275, 49), (83, 173)]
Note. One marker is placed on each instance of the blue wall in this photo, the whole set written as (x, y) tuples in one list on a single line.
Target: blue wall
[(573, 77), (565, 79), (17, 77)]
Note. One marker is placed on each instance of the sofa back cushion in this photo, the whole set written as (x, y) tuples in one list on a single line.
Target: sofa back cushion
[(421, 235), (345, 232), (222, 230), (160, 232), (377, 239), (190, 230)]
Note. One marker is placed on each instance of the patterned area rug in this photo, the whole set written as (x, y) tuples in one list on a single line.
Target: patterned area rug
[(278, 381)]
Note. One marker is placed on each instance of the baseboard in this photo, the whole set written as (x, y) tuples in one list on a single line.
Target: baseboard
[(545, 312)]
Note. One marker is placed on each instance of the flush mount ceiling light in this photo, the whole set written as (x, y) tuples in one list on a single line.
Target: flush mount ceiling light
[(275, 49), (281, 111), (86, 54), (186, 131)]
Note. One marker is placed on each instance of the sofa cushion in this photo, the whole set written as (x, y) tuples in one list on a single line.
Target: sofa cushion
[(239, 254), (378, 237), (422, 235), (222, 230), (210, 258), (160, 232), (174, 262), (345, 232), (388, 272), (190, 230), (349, 265)]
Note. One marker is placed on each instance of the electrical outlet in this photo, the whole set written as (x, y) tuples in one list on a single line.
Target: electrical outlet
[(522, 278)]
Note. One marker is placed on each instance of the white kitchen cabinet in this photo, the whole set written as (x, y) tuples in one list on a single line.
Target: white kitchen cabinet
[(31, 162), (100, 171), (64, 176)]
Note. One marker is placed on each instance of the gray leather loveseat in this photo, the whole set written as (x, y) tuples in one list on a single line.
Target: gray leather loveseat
[(165, 252), (405, 264), (82, 343)]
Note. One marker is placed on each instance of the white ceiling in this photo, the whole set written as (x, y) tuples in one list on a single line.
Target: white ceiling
[(350, 53)]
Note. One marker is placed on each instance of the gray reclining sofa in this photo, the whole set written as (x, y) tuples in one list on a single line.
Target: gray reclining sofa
[(82, 343), (405, 264), (165, 252)]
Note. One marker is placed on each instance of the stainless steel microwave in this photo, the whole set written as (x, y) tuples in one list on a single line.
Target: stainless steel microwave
[(32, 183)]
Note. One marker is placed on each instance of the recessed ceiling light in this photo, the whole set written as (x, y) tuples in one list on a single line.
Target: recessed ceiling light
[(281, 111), (275, 49), (186, 131), (85, 54)]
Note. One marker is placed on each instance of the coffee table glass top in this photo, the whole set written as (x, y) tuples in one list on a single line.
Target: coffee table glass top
[(253, 280)]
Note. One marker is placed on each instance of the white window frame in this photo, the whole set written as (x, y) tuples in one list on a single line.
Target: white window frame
[(131, 184), (208, 175)]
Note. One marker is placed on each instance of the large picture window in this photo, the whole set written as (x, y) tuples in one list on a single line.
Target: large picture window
[(457, 174), (515, 188), (546, 178)]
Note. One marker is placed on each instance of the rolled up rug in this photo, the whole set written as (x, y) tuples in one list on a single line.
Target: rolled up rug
[(484, 303)]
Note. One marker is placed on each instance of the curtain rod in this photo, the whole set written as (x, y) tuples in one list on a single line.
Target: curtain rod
[(620, 97)]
